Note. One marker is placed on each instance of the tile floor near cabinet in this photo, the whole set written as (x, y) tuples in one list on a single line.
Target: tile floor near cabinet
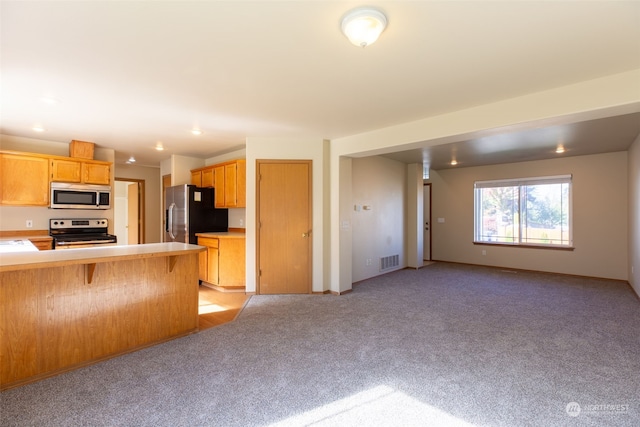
[(216, 308)]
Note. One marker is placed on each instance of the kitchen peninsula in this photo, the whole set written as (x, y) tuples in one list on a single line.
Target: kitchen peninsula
[(60, 310)]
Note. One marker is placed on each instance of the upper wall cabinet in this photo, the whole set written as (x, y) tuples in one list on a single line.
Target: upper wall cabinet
[(25, 177), (228, 178), (83, 171), (24, 180)]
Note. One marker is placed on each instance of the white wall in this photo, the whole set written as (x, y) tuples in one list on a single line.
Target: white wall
[(634, 215), (313, 149), (600, 210), (380, 184), (592, 99)]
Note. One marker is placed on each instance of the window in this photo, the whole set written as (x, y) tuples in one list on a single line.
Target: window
[(528, 211)]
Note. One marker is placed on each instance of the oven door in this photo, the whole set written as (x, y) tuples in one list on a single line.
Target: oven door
[(82, 245)]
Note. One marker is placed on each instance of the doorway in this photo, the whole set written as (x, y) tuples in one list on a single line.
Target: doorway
[(426, 215), (129, 211), (284, 220)]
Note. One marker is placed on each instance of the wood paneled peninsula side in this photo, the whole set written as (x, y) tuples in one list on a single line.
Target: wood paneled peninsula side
[(60, 310)]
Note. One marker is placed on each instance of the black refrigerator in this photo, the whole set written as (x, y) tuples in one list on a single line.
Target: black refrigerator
[(189, 210)]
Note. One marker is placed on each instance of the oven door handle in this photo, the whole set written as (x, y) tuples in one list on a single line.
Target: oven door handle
[(170, 221)]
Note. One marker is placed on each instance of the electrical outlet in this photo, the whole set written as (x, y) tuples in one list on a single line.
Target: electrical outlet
[(368, 261), (241, 222), (29, 223)]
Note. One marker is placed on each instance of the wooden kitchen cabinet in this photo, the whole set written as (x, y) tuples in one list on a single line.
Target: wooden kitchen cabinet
[(66, 170), (202, 177), (223, 264), (196, 178), (231, 184), (24, 180), (80, 171), (96, 173), (208, 267), (228, 178), (25, 177)]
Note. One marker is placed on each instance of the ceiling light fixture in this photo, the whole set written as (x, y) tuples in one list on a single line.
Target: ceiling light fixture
[(196, 131), (131, 160), (363, 26), (159, 146), (38, 129), (454, 162), (560, 149)]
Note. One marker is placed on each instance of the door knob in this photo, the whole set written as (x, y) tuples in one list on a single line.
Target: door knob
[(306, 234)]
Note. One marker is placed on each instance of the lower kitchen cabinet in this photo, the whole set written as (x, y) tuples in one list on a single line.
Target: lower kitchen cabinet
[(223, 264)]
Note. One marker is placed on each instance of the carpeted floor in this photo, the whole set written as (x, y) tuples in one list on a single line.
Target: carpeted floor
[(444, 345)]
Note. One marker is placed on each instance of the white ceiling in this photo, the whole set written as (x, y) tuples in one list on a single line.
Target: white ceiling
[(131, 74)]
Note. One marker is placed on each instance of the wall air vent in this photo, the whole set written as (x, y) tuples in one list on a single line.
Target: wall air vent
[(389, 262)]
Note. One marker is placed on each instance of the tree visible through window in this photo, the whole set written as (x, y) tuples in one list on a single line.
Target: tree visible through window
[(529, 211)]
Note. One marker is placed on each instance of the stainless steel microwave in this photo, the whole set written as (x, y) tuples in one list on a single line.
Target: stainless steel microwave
[(80, 196)]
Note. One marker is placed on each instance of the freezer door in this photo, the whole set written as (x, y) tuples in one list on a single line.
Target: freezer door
[(175, 214)]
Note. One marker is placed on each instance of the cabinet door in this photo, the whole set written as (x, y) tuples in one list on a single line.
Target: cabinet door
[(231, 270), (24, 180), (65, 170), (219, 186), (230, 187), (96, 173), (196, 178), (212, 265), (207, 178), (203, 268)]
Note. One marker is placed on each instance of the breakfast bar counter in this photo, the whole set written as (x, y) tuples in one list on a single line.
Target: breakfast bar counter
[(60, 310)]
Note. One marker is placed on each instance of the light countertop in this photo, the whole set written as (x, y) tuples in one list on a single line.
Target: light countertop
[(42, 259), (223, 235), (20, 245)]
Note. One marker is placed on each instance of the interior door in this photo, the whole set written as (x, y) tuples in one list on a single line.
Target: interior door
[(426, 211), (132, 214), (284, 226)]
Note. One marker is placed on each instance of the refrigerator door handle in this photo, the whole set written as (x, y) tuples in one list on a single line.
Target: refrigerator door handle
[(170, 221)]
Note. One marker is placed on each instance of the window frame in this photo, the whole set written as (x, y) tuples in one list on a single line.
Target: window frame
[(520, 183)]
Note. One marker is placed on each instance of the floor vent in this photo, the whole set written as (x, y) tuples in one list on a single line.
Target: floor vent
[(388, 262)]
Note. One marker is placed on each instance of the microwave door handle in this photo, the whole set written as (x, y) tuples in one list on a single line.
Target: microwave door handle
[(173, 236)]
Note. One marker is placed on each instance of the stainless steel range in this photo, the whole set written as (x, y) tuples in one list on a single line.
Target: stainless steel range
[(71, 233)]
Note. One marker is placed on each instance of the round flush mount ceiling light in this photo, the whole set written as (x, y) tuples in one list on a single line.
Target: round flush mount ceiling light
[(363, 25)]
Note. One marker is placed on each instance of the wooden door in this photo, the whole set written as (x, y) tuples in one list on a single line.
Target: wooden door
[(426, 216), (284, 226), (133, 214)]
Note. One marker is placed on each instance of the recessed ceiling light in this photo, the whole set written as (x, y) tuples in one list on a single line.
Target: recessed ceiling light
[(454, 162), (159, 146), (560, 149), (38, 129), (196, 131), (131, 160)]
